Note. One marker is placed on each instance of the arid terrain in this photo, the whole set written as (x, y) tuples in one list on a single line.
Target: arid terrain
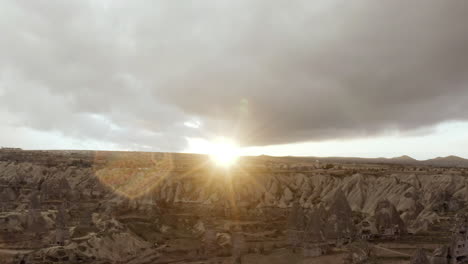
[(135, 207)]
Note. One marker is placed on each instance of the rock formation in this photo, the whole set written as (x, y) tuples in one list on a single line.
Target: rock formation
[(109, 207), (419, 257), (340, 226), (440, 255), (387, 219)]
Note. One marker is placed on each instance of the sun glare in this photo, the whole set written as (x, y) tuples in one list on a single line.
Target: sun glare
[(224, 152)]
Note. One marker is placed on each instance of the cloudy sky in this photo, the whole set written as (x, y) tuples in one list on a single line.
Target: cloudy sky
[(328, 78)]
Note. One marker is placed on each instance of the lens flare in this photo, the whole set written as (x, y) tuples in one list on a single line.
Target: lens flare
[(224, 152)]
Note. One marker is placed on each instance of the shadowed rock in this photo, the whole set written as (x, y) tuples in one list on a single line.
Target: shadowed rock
[(387, 219), (419, 257)]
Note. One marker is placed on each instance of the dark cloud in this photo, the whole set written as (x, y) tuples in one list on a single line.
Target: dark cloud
[(268, 72)]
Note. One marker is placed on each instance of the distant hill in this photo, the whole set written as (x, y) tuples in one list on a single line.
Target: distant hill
[(403, 160), (88, 157), (450, 161)]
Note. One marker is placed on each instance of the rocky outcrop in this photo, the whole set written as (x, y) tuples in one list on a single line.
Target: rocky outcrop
[(409, 194), (339, 220), (315, 226), (419, 257), (387, 218), (440, 255)]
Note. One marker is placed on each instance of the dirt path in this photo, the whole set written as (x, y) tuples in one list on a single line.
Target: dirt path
[(393, 251), (15, 251)]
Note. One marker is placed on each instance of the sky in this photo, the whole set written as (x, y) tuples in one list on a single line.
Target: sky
[(310, 78)]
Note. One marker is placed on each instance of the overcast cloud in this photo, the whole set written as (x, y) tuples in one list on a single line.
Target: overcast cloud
[(133, 74)]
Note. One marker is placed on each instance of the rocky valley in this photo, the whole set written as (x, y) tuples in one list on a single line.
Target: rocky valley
[(134, 207)]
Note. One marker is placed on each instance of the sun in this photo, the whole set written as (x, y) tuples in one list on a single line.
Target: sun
[(224, 152)]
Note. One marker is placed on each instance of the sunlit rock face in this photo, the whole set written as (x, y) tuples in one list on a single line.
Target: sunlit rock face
[(160, 207)]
